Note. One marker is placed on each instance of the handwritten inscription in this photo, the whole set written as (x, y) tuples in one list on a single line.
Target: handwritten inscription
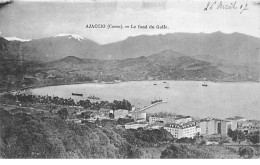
[(241, 6)]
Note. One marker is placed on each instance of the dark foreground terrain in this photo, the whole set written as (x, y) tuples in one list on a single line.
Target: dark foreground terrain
[(40, 134)]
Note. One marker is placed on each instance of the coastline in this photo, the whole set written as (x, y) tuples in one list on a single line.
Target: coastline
[(87, 82)]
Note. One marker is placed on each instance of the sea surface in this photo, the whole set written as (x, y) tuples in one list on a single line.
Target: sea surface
[(218, 100)]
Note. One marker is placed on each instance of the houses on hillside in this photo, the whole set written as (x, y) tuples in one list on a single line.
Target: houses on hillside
[(249, 126), (178, 125)]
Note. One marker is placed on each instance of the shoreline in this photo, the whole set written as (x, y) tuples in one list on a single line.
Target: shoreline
[(109, 83), (88, 82)]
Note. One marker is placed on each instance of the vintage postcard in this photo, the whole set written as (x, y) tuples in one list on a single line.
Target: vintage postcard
[(129, 79)]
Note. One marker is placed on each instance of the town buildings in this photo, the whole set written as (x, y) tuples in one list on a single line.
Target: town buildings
[(249, 126), (135, 125), (120, 113), (234, 121), (156, 125), (182, 130), (139, 115), (211, 126), (170, 119), (225, 126)]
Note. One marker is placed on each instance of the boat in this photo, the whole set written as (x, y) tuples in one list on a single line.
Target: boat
[(93, 97), (77, 94), (156, 101), (154, 84), (167, 86), (204, 84)]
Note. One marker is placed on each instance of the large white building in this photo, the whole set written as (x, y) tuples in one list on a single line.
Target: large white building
[(211, 126), (179, 131), (138, 115)]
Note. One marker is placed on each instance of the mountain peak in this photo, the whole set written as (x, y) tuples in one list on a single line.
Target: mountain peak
[(16, 39), (75, 36)]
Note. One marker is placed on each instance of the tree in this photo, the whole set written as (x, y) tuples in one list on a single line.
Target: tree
[(184, 151), (254, 137), (63, 113), (246, 152), (236, 135)]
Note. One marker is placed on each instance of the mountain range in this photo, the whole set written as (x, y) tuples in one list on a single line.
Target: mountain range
[(235, 47), (169, 56)]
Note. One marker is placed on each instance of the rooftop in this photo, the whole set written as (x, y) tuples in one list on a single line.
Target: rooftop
[(157, 124), (209, 119), (181, 126), (235, 118), (131, 123)]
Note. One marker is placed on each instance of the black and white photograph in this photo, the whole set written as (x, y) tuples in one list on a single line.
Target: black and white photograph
[(129, 79)]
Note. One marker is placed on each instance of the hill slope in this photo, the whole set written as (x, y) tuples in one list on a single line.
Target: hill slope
[(166, 65)]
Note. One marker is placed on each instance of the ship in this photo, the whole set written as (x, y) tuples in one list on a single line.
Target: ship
[(93, 97), (204, 84), (77, 94), (156, 101)]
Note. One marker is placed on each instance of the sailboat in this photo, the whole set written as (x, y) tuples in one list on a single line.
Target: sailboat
[(205, 84), (167, 86)]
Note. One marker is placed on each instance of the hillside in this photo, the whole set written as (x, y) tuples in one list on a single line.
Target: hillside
[(69, 58), (166, 65)]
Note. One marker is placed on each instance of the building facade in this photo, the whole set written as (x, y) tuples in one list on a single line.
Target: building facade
[(170, 119), (234, 121), (120, 113), (225, 126), (179, 131), (138, 115), (135, 125)]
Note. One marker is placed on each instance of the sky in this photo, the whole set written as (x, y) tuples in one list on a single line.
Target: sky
[(33, 19)]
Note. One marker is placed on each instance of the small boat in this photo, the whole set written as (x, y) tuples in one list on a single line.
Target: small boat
[(167, 86), (154, 84), (164, 82), (77, 94), (93, 97), (204, 84), (156, 101)]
